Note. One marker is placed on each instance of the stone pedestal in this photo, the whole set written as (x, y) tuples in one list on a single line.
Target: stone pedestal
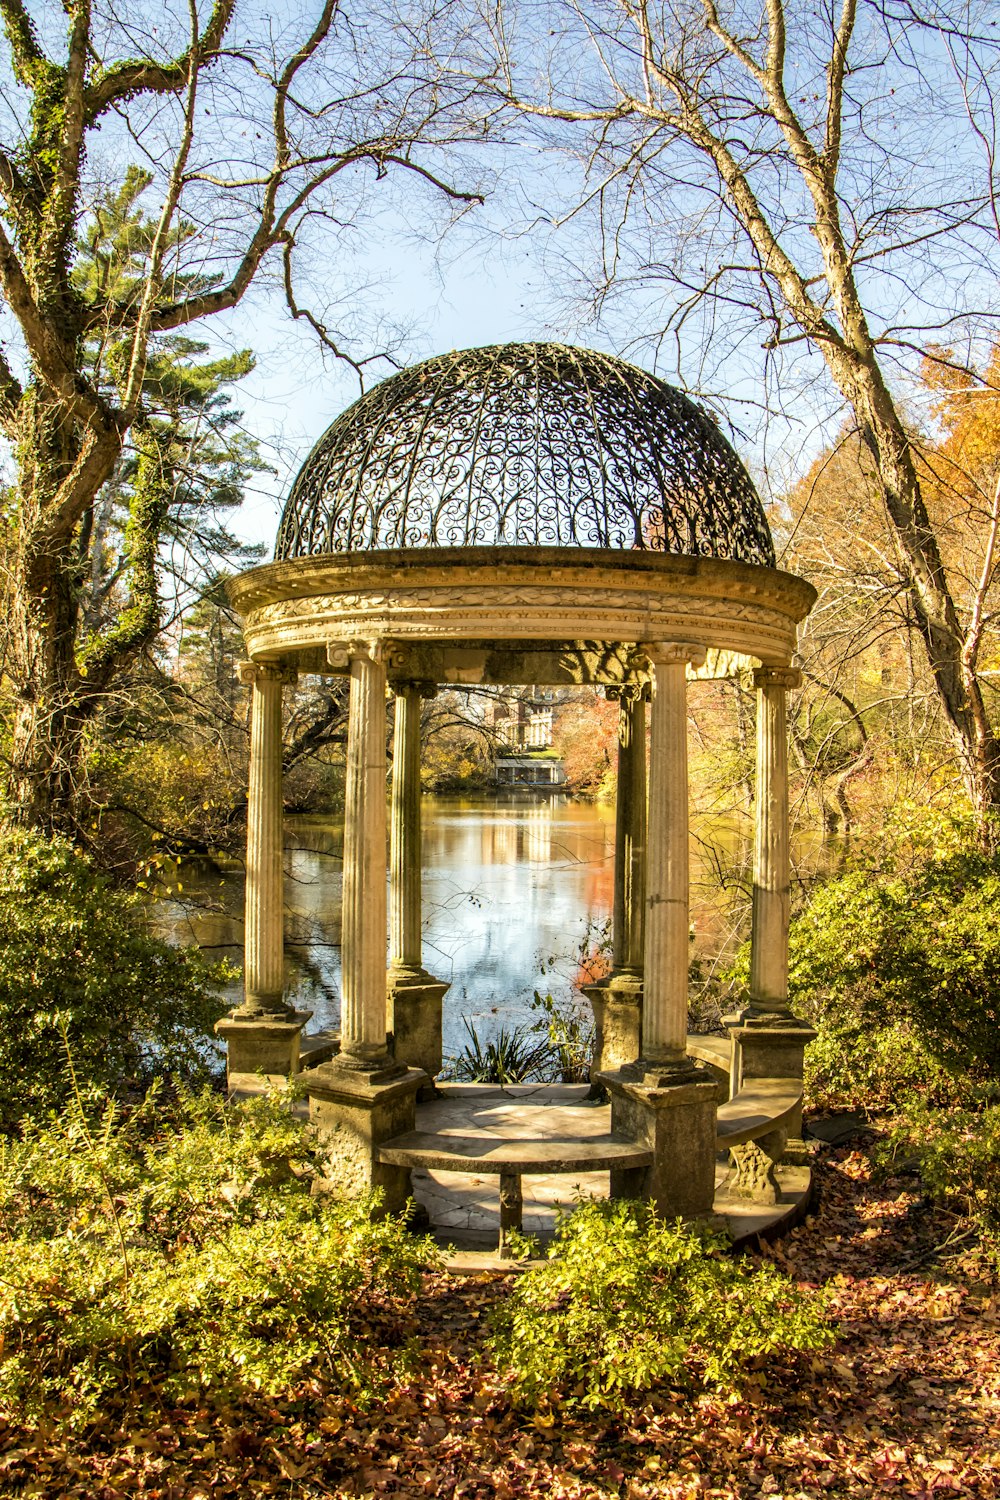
[(671, 1111), (266, 1047), (617, 1006), (413, 998), (753, 1176), (769, 1045), (354, 1113)]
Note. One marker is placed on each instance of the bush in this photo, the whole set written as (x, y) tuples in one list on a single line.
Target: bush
[(80, 971), (900, 972), (141, 1257), (514, 1055), (568, 1027), (957, 1153), (626, 1302)]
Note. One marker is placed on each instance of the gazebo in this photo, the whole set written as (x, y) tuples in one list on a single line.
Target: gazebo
[(528, 513)]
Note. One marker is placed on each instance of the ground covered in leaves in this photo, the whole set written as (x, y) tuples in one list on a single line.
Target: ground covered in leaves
[(906, 1403)]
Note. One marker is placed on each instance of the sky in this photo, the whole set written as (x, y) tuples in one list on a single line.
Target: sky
[(298, 389)]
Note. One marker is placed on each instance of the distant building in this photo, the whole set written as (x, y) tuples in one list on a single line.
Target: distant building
[(521, 723), (528, 770)]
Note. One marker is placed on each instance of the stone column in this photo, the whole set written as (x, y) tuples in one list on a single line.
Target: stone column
[(363, 931), (262, 1034), (363, 1096), (768, 1040), (769, 935), (630, 835), (405, 846), (666, 1100), (665, 994), (617, 1000), (414, 996)]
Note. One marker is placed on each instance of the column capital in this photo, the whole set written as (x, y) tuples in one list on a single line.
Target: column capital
[(400, 685), (378, 649), (627, 692), (784, 677), (267, 671), (673, 653)]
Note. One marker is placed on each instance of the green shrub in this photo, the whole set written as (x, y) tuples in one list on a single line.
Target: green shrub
[(900, 973), (141, 1257), (957, 1153), (80, 971), (568, 1027), (626, 1302), (513, 1055)]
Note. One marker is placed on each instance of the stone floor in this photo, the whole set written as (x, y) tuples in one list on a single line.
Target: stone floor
[(464, 1208)]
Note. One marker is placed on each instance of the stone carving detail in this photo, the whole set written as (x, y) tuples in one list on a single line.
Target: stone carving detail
[(267, 671), (753, 1176), (525, 445), (783, 677), (446, 599)]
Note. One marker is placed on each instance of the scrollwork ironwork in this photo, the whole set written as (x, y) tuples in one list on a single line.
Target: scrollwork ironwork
[(525, 445)]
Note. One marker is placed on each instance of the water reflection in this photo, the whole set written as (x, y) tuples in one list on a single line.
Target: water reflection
[(512, 890)]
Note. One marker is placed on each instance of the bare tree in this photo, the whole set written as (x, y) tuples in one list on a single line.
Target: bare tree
[(824, 175), (260, 136)]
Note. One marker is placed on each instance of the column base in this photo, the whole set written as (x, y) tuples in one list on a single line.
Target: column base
[(768, 1044), (354, 1112), (413, 1008), (617, 1006), (671, 1109), (261, 1046)]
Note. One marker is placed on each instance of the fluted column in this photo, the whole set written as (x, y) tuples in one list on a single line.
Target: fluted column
[(363, 1008), (665, 981), (405, 845), (265, 904), (630, 835), (769, 937)]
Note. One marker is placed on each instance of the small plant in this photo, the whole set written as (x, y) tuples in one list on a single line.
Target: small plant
[(513, 1055), (627, 1302), (144, 1255), (569, 1031)]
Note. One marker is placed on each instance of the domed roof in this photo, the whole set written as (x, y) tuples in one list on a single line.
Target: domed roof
[(535, 445)]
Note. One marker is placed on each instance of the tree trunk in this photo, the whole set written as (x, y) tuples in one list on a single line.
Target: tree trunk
[(955, 679), (49, 716), (52, 700)]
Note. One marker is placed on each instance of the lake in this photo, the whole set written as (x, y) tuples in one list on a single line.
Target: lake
[(516, 891)]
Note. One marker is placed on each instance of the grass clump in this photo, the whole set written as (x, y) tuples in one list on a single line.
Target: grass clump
[(145, 1258), (627, 1302)]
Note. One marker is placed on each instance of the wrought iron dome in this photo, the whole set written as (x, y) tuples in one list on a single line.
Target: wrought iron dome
[(537, 445)]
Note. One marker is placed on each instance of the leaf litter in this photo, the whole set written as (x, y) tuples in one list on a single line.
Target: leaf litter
[(907, 1403)]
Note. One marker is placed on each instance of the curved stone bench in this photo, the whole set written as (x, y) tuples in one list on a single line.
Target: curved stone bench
[(761, 1106), (512, 1160), (717, 1051)]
